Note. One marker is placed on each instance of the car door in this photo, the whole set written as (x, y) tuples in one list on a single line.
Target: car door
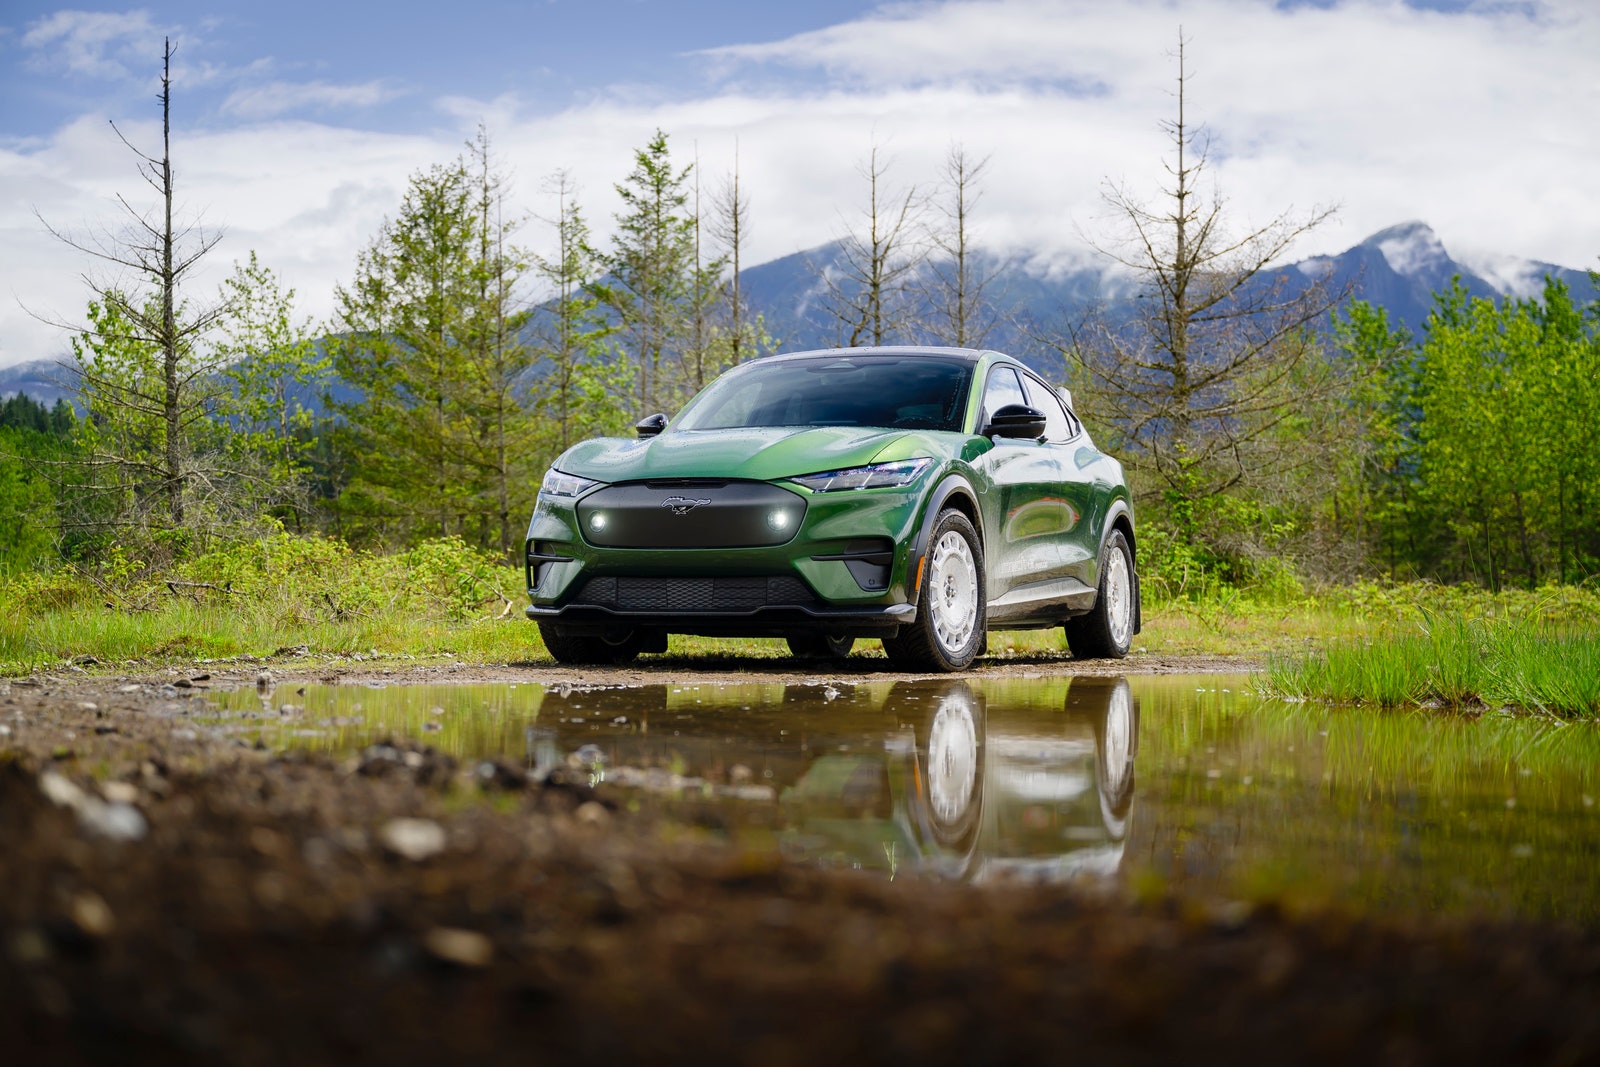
[(1021, 514), (1082, 492)]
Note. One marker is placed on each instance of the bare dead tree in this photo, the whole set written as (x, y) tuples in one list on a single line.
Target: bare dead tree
[(1209, 359), (958, 279), (867, 288), (147, 384)]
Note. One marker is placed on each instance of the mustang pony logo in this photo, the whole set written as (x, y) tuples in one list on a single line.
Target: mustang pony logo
[(682, 505)]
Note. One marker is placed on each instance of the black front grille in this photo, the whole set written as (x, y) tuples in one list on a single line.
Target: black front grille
[(690, 514), (699, 595)]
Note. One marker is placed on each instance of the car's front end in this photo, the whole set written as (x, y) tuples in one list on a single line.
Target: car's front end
[(711, 547)]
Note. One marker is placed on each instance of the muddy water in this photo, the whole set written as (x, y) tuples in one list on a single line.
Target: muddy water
[(1137, 785)]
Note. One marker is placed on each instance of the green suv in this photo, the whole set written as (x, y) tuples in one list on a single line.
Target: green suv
[(922, 496)]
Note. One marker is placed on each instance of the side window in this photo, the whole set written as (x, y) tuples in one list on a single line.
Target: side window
[(1001, 389), (1059, 425)]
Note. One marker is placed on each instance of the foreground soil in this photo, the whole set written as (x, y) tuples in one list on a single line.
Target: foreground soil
[(168, 896)]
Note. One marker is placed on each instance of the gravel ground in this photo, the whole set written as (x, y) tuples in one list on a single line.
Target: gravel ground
[(167, 896)]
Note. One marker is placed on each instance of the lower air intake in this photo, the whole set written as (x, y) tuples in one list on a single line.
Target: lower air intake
[(698, 595)]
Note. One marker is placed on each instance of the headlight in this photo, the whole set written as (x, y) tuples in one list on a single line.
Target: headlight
[(559, 484), (877, 476)]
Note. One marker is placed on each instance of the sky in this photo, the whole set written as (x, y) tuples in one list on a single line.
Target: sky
[(296, 125)]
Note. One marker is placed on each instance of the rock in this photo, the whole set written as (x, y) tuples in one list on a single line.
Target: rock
[(120, 792), (413, 839), (495, 775), (114, 821), (592, 813), (464, 948), (92, 916)]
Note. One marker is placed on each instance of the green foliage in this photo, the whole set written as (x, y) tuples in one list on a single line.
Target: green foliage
[(431, 333), (1484, 464), (579, 391), (273, 366), (657, 286), (260, 597), (27, 495)]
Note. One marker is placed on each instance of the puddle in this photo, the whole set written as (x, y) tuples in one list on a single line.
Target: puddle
[(1135, 784)]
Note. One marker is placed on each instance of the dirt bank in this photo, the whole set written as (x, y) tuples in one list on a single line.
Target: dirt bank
[(169, 896)]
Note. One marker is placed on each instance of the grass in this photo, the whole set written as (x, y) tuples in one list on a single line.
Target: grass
[(320, 601), (1524, 662)]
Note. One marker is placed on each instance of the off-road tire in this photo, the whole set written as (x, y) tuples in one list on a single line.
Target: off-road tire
[(951, 605), (580, 650), (820, 646), (1106, 632)]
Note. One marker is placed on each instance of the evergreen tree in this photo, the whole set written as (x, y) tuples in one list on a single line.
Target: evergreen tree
[(577, 392), (654, 284), (430, 332)]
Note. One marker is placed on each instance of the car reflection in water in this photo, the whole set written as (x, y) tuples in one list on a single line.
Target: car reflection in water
[(935, 776), (978, 791)]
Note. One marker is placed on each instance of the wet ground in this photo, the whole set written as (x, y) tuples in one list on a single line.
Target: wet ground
[(761, 865)]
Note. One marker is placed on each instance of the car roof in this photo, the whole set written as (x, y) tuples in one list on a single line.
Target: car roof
[(969, 355)]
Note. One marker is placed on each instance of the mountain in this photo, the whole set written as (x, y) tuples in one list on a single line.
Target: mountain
[(1398, 269), (44, 380)]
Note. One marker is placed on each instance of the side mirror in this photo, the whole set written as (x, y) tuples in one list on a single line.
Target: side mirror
[(1016, 421), (650, 425)]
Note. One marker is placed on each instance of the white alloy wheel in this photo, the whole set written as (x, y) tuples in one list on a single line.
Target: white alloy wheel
[(1116, 746), (952, 591), (1119, 597), (952, 760)]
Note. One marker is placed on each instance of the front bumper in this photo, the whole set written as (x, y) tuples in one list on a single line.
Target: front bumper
[(839, 566)]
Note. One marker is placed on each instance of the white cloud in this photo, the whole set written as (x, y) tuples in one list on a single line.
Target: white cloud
[(281, 98), (97, 44), (1470, 121)]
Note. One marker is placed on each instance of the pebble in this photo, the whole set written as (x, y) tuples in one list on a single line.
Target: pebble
[(412, 839), (465, 948), (592, 813), (120, 792), (114, 821), (92, 915)]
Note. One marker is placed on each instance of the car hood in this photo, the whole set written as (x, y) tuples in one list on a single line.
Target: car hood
[(757, 454)]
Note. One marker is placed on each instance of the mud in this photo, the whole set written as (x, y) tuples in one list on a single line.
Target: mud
[(168, 895)]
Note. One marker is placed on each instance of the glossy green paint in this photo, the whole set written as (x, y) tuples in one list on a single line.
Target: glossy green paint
[(760, 454), (1042, 529)]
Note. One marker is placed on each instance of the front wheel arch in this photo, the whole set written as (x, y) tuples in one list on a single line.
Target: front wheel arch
[(953, 493)]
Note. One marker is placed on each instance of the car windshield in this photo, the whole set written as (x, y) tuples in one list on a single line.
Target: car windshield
[(894, 392)]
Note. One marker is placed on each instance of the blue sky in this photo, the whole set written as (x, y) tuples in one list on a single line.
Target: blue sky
[(297, 124)]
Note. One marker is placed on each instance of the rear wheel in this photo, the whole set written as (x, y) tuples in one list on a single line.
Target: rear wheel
[(1107, 631), (950, 611), (820, 646), (590, 649)]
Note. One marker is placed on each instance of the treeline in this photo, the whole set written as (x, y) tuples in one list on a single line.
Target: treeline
[(1476, 452), (1272, 434)]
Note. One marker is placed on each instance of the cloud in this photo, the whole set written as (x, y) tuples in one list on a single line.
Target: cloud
[(95, 44), (282, 98)]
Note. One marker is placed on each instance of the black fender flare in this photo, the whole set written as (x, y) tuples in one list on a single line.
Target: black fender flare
[(951, 485)]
